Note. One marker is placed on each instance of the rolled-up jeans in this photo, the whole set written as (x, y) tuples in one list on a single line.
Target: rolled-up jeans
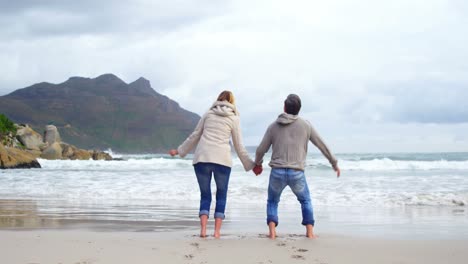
[(295, 179), (205, 171)]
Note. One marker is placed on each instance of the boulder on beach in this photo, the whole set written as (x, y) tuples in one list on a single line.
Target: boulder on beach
[(67, 150), (81, 154), (51, 135), (29, 138), (53, 152), (13, 158)]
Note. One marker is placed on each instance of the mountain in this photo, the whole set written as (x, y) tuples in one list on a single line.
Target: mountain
[(104, 112)]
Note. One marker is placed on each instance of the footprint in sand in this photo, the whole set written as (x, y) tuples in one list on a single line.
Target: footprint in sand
[(281, 244), (299, 257), (195, 244), (191, 256), (302, 250)]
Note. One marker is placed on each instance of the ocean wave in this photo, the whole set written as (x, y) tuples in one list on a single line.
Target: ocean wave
[(129, 164), (160, 163), (383, 199), (386, 164)]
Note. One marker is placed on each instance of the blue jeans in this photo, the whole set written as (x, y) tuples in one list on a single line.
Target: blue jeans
[(295, 179), (204, 172)]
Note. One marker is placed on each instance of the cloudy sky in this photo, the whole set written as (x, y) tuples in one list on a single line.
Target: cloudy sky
[(373, 75)]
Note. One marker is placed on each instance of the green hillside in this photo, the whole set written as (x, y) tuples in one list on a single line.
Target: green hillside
[(102, 113)]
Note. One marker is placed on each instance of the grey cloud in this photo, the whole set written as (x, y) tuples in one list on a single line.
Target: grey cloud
[(42, 19), (429, 101), (344, 59), (19, 6)]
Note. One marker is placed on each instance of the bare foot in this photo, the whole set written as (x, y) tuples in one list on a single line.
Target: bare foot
[(218, 223), (310, 232), (272, 227), (203, 222)]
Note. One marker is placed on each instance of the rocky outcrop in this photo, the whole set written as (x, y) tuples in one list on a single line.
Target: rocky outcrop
[(35, 153), (27, 145), (53, 152), (74, 153), (30, 139), (13, 158)]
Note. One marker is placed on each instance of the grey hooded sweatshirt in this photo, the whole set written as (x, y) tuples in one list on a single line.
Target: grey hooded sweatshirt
[(289, 135), (212, 134)]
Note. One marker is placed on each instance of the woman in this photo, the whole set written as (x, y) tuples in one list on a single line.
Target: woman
[(213, 155)]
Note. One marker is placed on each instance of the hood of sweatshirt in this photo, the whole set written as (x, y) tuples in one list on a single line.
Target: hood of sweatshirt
[(286, 119), (223, 108)]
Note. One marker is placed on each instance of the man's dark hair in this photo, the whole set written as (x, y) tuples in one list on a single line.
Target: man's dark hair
[(292, 104)]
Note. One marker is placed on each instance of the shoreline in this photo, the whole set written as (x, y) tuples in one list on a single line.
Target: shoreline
[(404, 223), (89, 247)]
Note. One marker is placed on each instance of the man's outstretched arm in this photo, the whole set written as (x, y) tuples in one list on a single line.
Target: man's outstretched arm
[(318, 142)]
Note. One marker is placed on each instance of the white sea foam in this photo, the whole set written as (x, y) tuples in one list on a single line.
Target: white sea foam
[(132, 163), (373, 191), (149, 179), (137, 161), (386, 164)]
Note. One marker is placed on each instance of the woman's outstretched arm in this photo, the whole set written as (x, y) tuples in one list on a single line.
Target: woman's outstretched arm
[(191, 141)]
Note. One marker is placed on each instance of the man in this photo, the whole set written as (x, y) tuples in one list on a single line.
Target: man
[(289, 135)]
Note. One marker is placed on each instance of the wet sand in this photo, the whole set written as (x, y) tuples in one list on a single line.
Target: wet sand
[(87, 247), (31, 233)]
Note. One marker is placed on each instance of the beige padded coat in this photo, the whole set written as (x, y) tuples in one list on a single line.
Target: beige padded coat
[(212, 136)]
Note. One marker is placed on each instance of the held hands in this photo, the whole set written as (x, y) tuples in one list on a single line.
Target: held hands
[(258, 169), (173, 152)]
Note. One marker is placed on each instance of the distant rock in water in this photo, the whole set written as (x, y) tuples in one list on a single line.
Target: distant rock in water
[(101, 113)]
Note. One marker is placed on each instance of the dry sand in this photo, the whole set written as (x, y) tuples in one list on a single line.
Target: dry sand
[(86, 247)]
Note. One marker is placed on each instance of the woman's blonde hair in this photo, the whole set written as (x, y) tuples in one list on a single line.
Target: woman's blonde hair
[(227, 96)]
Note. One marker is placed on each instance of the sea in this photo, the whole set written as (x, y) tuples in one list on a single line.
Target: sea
[(396, 195)]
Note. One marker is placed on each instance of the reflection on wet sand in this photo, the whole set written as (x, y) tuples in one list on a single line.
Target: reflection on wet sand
[(119, 215), (31, 214), (23, 214)]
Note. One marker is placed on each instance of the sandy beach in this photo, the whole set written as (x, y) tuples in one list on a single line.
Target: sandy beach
[(86, 247), (83, 212)]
